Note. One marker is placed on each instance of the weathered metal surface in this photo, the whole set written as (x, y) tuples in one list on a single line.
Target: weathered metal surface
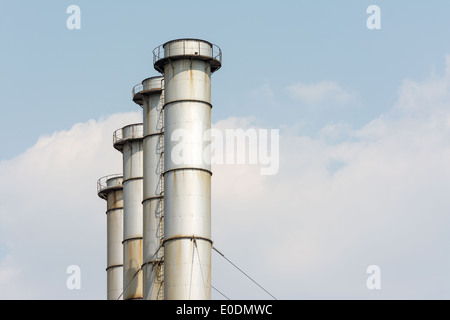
[(187, 203), (186, 79), (129, 140), (187, 65), (115, 199), (132, 274), (153, 252), (115, 283), (110, 188), (132, 209), (188, 275), (153, 281), (114, 236), (187, 128), (153, 149)]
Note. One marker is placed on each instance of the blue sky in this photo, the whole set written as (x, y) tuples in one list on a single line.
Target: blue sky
[(370, 102), (54, 77)]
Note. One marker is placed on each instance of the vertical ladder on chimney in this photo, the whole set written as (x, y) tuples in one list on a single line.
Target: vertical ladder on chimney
[(160, 268)]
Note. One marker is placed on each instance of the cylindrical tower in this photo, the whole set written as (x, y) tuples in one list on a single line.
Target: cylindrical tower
[(187, 65), (149, 95), (128, 140), (110, 189)]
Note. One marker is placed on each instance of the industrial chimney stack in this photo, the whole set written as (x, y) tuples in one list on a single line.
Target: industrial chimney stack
[(128, 140), (149, 95), (166, 183), (187, 65), (110, 189)]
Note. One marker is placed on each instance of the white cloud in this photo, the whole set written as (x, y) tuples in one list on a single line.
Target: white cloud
[(324, 91), (311, 231), (264, 91), (428, 97), (8, 271), (51, 216)]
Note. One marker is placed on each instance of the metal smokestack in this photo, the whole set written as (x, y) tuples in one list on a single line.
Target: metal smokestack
[(110, 189), (187, 65), (149, 95), (128, 140)]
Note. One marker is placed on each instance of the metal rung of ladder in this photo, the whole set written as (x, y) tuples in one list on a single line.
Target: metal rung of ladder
[(160, 295), (161, 176), (160, 229), (160, 110), (160, 216), (158, 268), (160, 151)]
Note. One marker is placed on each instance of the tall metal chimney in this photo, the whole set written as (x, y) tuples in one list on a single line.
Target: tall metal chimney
[(149, 95), (128, 140), (187, 65), (110, 189)]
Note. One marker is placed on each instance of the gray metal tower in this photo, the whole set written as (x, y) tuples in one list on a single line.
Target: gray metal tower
[(149, 95), (110, 189), (128, 140), (187, 65)]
